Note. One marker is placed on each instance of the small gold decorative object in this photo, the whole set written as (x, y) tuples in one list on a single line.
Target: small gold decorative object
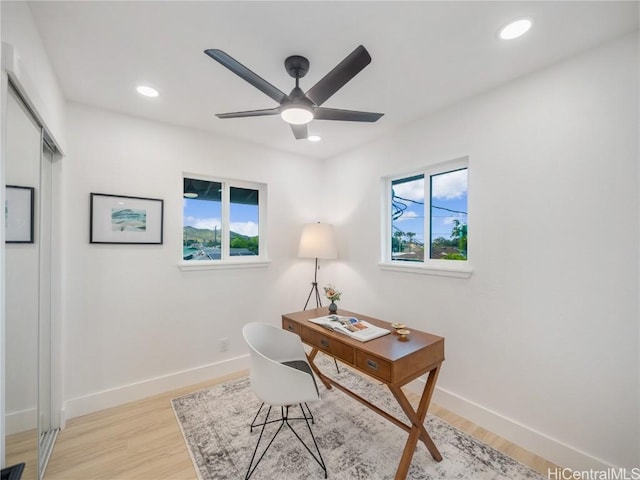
[(398, 325), (403, 332)]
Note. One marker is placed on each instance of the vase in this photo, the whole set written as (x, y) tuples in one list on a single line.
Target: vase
[(333, 308)]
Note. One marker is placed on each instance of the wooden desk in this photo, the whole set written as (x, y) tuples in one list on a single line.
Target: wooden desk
[(387, 359)]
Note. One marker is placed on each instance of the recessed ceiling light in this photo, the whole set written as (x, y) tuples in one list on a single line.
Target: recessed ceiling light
[(147, 91), (314, 138), (515, 29)]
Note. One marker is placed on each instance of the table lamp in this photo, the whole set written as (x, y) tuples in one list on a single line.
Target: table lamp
[(317, 241)]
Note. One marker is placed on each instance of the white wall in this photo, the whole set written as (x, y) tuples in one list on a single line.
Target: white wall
[(33, 68), (542, 341), (135, 323)]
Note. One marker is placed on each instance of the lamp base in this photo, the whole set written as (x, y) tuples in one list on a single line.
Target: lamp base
[(314, 288)]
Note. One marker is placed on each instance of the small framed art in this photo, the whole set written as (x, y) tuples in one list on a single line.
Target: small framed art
[(19, 214), (122, 219)]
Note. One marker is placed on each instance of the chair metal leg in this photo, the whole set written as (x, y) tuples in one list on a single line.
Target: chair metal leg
[(253, 423), (319, 458), (284, 420), (264, 424), (308, 415)]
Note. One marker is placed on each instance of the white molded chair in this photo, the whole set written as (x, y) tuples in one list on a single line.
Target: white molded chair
[(280, 377)]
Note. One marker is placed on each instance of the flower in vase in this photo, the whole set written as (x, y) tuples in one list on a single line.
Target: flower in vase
[(331, 293)]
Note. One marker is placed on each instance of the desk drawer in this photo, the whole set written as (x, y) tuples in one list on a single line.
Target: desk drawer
[(330, 345), (291, 326), (374, 366)]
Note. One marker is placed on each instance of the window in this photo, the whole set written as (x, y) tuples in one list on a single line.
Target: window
[(427, 218), (223, 222)]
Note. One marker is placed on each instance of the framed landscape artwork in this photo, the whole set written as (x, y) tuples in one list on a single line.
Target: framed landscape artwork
[(18, 214), (122, 219)]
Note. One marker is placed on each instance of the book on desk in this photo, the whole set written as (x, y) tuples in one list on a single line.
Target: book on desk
[(351, 326)]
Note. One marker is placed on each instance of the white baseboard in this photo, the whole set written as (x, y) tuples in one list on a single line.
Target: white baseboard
[(113, 397), (21, 421), (526, 437)]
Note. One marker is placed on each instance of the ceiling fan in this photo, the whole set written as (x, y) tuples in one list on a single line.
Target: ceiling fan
[(299, 108)]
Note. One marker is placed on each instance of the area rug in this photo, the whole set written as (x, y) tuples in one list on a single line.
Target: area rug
[(355, 442)]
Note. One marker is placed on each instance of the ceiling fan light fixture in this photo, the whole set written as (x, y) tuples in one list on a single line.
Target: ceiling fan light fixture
[(297, 115), (299, 108)]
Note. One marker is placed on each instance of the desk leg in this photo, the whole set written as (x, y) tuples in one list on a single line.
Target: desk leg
[(311, 356), (417, 419)]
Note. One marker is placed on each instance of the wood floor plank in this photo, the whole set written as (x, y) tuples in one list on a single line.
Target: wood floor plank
[(143, 441), (22, 448)]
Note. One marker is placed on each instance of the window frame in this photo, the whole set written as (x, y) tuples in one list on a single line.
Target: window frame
[(429, 266), (226, 260)]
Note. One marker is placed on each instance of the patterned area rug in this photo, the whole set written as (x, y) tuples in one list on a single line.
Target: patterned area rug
[(355, 442)]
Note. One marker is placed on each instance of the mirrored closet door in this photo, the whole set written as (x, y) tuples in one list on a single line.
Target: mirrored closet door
[(30, 421)]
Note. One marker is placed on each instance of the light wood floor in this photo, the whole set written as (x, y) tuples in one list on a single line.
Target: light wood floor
[(142, 441), (21, 448)]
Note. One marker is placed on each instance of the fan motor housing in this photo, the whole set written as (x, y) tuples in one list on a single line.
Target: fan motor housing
[(296, 66)]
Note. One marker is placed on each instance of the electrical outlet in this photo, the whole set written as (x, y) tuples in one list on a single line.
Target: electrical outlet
[(224, 344)]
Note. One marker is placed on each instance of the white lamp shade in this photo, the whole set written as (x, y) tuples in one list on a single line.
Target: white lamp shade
[(317, 241)]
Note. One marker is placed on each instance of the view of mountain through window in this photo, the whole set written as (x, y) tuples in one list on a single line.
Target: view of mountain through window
[(207, 233)]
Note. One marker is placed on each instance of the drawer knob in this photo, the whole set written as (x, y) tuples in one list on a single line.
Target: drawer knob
[(324, 342), (372, 365), (290, 327)]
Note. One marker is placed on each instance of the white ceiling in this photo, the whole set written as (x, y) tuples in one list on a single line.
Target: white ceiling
[(425, 55)]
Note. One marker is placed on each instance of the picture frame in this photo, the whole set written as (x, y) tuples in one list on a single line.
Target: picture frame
[(19, 214), (124, 219)]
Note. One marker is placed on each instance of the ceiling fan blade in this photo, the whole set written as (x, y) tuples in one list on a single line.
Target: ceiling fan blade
[(250, 113), (246, 74), (322, 113), (339, 76), (299, 131)]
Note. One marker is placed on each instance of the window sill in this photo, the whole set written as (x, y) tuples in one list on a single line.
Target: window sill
[(221, 265), (442, 268)]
